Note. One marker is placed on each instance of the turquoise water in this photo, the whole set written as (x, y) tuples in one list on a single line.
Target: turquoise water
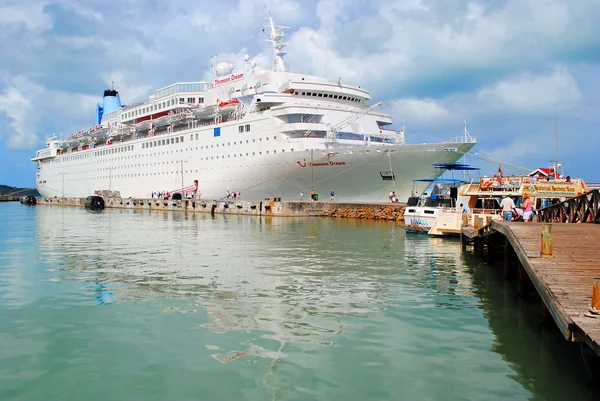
[(128, 305)]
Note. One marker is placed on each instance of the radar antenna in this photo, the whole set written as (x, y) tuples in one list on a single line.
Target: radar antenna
[(278, 42)]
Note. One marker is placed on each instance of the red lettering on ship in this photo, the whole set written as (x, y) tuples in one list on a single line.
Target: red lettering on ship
[(231, 78), (320, 164)]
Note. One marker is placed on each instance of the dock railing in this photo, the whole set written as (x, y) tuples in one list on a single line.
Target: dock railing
[(584, 208)]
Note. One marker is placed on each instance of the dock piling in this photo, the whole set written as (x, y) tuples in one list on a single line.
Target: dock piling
[(546, 240), (596, 294)]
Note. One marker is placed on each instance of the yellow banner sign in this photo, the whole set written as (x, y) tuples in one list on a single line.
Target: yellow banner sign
[(553, 190)]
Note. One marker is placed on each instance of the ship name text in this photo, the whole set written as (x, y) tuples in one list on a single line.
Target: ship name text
[(231, 78), (304, 163)]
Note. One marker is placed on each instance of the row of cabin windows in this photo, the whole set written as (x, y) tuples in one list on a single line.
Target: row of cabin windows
[(116, 150), (192, 100), (229, 143), (329, 95), (162, 142), (160, 106), (110, 151)]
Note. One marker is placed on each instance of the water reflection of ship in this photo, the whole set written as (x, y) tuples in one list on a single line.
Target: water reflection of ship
[(533, 350), (103, 293), (441, 259), (290, 295)]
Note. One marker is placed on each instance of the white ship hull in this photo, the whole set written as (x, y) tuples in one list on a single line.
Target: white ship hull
[(260, 164)]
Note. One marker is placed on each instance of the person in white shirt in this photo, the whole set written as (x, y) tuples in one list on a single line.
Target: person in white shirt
[(507, 205)]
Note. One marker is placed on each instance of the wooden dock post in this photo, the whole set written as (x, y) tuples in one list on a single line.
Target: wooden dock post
[(546, 240), (596, 294)]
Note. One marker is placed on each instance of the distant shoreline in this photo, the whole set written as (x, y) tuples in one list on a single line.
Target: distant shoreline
[(8, 193)]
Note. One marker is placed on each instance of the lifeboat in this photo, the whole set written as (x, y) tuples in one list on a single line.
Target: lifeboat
[(73, 142), (84, 139), (162, 121), (179, 117), (206, 111), (143, 126), (99, 133), (228, 107)]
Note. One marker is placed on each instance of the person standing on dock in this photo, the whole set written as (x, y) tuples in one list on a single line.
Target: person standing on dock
[(332, 196), (508, 205), (526, 206), (301, 196)]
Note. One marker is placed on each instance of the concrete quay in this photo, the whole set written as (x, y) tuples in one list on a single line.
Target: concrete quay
[(9, 198), (267, 207)]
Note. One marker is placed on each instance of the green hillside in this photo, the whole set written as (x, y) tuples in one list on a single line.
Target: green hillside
[(6, 190)]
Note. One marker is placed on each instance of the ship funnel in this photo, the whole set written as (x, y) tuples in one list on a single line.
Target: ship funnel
[(110, 102)]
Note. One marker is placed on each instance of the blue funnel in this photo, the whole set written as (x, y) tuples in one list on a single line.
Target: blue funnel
[(110, 102)]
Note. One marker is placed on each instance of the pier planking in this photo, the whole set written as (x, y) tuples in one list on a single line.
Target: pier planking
[(565, 279)]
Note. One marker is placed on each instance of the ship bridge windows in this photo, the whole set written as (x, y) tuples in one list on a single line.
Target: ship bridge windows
[(304, 118), (351, 136)]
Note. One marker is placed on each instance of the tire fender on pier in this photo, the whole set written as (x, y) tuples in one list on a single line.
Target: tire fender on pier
[(94, 203)]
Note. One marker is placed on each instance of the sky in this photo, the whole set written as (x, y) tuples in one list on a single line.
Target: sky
[(514, 69)]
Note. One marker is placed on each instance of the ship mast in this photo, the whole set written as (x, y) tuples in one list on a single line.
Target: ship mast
[(278, 43)]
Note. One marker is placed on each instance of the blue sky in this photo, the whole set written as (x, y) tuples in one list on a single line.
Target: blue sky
[(512, 68)]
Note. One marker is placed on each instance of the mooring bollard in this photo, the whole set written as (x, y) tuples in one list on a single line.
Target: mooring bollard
[(546, 240), (596, 294)]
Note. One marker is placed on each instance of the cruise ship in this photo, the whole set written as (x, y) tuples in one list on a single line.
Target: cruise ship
[(261, 133)]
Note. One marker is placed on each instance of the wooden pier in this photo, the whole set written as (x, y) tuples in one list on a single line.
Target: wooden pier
[(562, 262)]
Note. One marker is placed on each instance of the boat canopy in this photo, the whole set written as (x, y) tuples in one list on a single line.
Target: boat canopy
[(439, 180), (456, 166)]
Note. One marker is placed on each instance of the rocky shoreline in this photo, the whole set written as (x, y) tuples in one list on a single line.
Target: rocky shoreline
[(373, 212)]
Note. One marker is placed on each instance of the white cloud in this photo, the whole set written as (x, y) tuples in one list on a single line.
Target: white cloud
[(27, 104), (424, 112), (16, 104), (31, 15), (388, 47), (539, 95), (408, 5)]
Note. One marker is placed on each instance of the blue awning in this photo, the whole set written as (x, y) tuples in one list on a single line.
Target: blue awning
[(441, 180), (455, 166)]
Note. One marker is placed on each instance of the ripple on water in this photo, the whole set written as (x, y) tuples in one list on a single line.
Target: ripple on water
[(140, 305)]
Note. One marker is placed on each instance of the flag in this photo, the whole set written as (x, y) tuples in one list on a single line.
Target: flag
[(500, 171)]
